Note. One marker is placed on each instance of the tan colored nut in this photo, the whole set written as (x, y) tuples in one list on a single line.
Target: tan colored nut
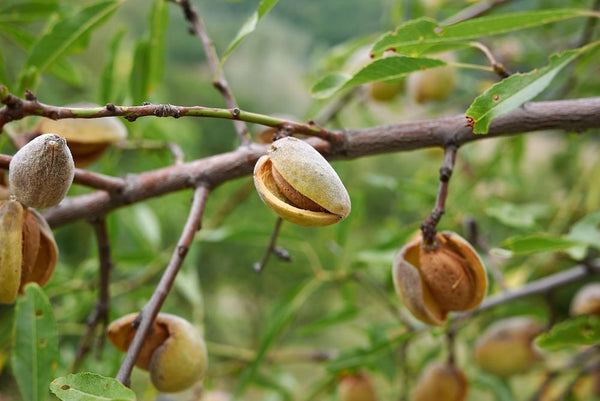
[(4, 191), (298, 184), (441, 382), (356, 387), (87, 138), (41, 172), (587, 300), (28, 252), (433, 282), (174, 353), (432, 84), (506, 347)]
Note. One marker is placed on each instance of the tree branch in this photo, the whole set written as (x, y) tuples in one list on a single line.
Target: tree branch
[(145, 320), (220, 83), (100, 313), (538, 287), (16, 109), (570, 115)]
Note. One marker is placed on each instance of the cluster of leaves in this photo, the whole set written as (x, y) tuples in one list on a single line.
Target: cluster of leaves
[(334, 291)]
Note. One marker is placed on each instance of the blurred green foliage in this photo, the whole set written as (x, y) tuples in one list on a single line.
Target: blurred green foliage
[(336, 296)]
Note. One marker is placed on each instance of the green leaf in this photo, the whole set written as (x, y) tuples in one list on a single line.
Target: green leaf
[(108, 77), (419, 36), (90, 387), (62, 69), (27, 11), (249, 26), (3, 76), (337, 317), (515, 90), (35, 344), (66, 72), (66, 34), (518, 216), (534, 243), (499, 388), (582, 330), (279, 319), (159, 20), (586, 232), (356, 358), (384, 69), (140, 72)]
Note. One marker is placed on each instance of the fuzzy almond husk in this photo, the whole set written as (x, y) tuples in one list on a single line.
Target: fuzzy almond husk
[(506, 347), (41, 172), (441, 382), (174, 353)]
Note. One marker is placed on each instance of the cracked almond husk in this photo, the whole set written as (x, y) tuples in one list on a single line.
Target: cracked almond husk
[(28, 252), (434, 280), (298, 184)]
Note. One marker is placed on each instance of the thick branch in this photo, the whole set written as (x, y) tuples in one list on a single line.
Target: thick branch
[(148, 314), (571, 115)]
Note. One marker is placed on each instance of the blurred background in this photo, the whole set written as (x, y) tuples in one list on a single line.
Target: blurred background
[(336, 297)]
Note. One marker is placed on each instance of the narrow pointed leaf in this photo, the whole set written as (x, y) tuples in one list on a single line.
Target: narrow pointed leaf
[(140, 72), (35, 344), (159, 20), (385, 69), (417, 36), (90, 387), (513, 91), (249, 26), (535, 243), (67, 33), (3, 76), (27, 11), (582, 330), (108, 76), (283, 314)]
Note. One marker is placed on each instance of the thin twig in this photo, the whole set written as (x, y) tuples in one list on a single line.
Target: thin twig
[(272, 249), (220, 83), (473, 11), (579, 359), (100, 313), (145, 320), (16, 108), (498, 68), (538, 287), (429, 225)]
